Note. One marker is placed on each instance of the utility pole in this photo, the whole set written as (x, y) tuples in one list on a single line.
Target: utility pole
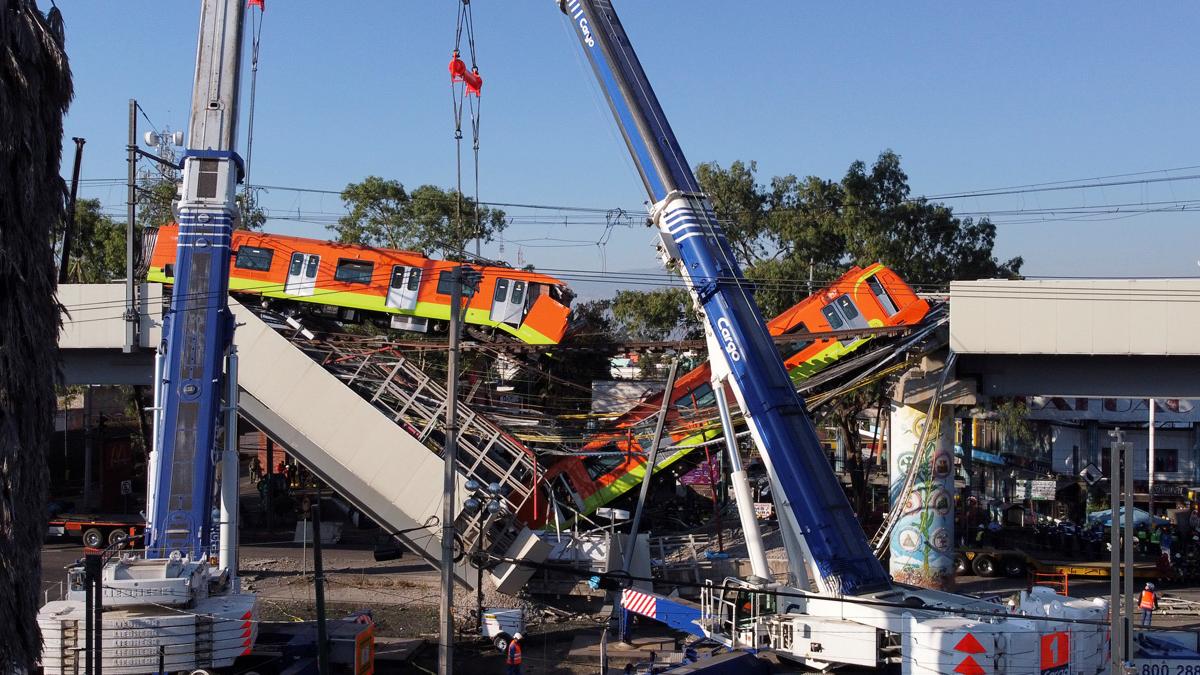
[(1130, 601), (460, 276), (319, 585), (69, 229), (1150, 468), (1116, 644), (131, 316)]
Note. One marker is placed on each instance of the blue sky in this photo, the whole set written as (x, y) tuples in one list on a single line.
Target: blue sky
[(971, 95)]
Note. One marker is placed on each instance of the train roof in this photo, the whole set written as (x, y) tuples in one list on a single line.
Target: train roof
[(290, 242)]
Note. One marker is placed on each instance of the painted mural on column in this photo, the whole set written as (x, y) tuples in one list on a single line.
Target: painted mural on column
[(922, 543)]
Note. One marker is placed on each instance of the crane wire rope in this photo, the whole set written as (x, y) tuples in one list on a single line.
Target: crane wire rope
[(256, 25), (465, 92)]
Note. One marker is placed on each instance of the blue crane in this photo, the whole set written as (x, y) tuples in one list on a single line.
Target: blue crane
[(818, 523), (198, 331)]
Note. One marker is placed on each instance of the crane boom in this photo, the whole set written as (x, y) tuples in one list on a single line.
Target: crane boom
[(818, 523), (198, 332)]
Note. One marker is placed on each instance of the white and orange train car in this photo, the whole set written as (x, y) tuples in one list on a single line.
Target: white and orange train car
[(408, 290)]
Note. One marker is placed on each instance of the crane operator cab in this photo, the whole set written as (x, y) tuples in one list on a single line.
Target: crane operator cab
[(739, 611)]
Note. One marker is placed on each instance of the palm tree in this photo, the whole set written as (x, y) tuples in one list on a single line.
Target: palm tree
[(35, 89)]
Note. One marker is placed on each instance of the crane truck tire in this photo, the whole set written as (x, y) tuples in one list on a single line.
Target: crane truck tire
[(961, 566), (983, 565), (116, 536), (93, 538)]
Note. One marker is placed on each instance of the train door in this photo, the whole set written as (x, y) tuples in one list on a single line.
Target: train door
[(302, 274), (403, 288), (508, 301), (842, 314)]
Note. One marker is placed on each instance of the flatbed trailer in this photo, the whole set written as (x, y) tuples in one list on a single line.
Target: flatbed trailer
[(988, 561), (96, 530)]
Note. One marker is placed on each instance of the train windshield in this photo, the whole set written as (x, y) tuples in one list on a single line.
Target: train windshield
[(561, 294)]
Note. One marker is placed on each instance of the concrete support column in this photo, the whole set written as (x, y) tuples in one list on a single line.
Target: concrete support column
[(922, 543)]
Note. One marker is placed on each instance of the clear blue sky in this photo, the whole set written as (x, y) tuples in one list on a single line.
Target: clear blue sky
[(972, 96)]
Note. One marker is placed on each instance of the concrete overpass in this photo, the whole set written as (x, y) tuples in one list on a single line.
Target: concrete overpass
[(1078, 337), (92, 340)]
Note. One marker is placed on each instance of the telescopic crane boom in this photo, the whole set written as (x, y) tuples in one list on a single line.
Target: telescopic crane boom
[(818, 524)]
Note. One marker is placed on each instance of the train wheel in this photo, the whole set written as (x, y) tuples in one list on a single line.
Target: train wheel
[(117, 536), (93, 538), (983, 566)]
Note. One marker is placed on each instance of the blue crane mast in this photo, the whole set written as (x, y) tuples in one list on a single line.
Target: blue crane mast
[(816, 518), (198, 331)]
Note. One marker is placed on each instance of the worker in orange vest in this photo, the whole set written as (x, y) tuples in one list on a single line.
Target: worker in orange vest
[(512, 655), (1148, 603)]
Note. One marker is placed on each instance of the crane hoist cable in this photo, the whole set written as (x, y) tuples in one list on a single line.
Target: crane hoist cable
[(256, 24), (466, 85)]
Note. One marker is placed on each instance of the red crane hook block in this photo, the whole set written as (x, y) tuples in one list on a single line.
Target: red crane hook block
[(471, 78)]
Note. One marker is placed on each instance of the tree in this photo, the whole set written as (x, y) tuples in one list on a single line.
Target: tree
[(35, 90), (922, 241), (99, 246), (383, 213), (799, 228), (656, 315)]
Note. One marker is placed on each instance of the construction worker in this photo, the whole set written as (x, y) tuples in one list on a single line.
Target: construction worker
[(1148, 603), (512, 655)]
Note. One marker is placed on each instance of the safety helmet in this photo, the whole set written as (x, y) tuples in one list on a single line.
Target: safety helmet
[(518, 636), (1149, 586)]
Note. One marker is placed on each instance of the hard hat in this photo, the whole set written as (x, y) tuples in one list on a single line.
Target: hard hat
[(1149, 585), (518, 636)]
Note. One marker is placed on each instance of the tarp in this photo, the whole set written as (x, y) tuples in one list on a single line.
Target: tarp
[(1140, 517)]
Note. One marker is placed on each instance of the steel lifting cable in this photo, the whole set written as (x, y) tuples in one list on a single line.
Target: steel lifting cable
[(465, 88), (256, 24)]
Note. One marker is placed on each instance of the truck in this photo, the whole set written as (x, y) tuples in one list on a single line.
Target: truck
[(96, 531)]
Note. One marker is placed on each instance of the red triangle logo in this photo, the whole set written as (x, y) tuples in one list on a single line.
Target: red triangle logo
[(969, 645), (969, 667)]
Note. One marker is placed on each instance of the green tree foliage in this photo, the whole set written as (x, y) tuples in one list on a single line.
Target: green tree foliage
[(795, 228), (155, 195), (383, 213), (655, 315), (98, 246)]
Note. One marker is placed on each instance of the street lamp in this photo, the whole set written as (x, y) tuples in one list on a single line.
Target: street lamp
[(486, 504)]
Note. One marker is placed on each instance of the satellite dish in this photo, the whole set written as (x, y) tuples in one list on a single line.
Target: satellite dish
[(177, 138), (151, 139)]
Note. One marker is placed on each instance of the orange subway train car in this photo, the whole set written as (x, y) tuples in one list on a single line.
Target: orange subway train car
[(402, 289), (871, 297)]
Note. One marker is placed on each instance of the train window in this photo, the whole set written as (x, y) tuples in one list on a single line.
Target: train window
[(518, 295), (414, 278), (845, 304), (354, 271), (705, 396), (789, 348), (599, 465), (254, 258), (310, 272), (446, 284), (297, 264), (833, 316), (501, 291), (397, 277), (881, 294)]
